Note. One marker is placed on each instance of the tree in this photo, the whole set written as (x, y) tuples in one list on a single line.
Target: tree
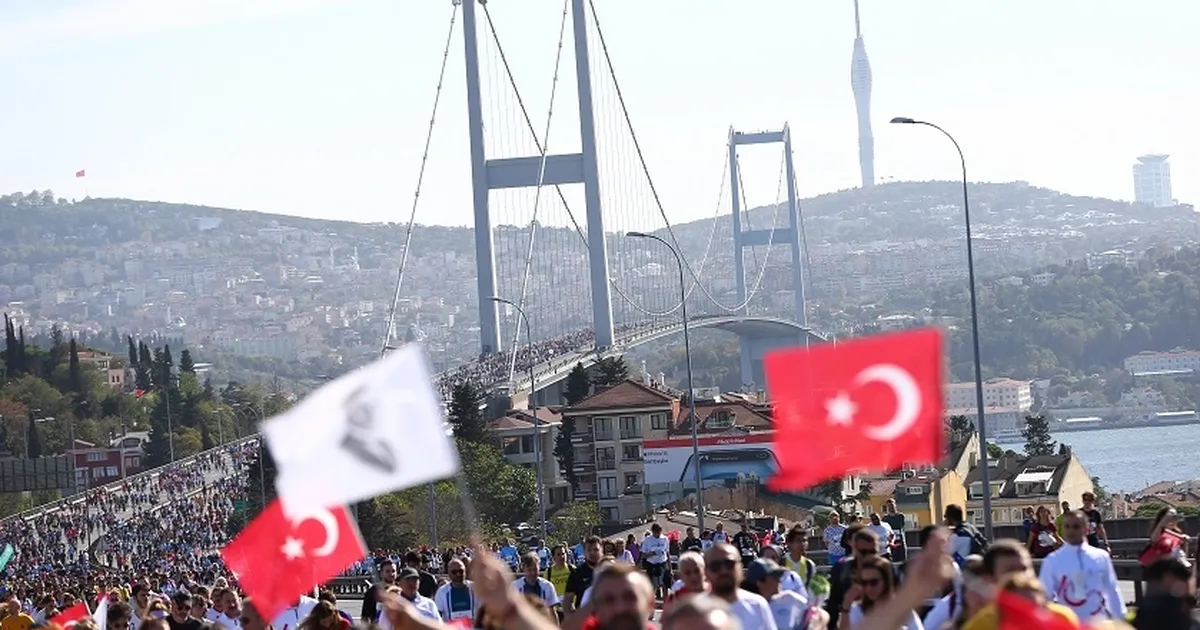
[(1104, 501), (1037, 436), (74, 371), (33, 438), (610, 371), (185, 362), (141, 374), (133, 352), (577, 386), (164, 419), (576, 520), (832, 491), (564, 450), (465, 418), (503, 492)]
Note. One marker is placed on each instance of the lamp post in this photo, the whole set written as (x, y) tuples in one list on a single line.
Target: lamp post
[(687, 354), (984, 472), (537, 425)]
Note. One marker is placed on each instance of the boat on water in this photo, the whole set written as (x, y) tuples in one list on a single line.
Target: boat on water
[(1094, 423)]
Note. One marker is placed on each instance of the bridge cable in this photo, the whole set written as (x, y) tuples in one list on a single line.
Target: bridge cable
[(537, 196), (412, 216), (645, 167), (563, 199)]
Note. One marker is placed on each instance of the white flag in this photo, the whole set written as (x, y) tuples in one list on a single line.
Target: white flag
[(371, 432)]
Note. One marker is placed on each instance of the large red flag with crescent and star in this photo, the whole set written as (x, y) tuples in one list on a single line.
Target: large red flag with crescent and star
[(277, 559), (867, 404)]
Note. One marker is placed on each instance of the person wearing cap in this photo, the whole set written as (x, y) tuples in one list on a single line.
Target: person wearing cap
[(790, 580), (408, 580), (789, 608)]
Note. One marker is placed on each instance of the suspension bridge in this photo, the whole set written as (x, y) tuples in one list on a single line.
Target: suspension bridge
[(558, 196)]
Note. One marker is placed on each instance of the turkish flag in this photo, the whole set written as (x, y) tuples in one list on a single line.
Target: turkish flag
[(80, 173), (276, 559), (865, 404), (75, 613)]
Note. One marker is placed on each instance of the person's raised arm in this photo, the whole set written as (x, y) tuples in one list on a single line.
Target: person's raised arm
[(929, 572)]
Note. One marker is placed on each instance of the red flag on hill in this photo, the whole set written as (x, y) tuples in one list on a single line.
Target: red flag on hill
[(277, 560), (866, 404)]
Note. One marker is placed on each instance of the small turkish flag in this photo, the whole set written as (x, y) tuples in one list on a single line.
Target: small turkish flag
[(866, 404), (80, 174), (276, 560)]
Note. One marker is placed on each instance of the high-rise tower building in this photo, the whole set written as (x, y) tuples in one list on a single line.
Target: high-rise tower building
[(860, 82), (1152, 181)]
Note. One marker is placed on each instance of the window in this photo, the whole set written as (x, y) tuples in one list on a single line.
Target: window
[(720, 420), (112, 471), (527, 444), (512, 446), (95, 457), (606, 458), (631, 479), (602, 428), (914, 490), (658, 422), (608, 487), (911, 521), (631, 452), (630, 428), (609, 514)]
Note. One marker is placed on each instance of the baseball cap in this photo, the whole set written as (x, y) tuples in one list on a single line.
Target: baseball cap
[(408, 573), (763, 568)]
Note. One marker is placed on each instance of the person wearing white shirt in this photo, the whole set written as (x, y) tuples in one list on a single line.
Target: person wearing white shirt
[(789, 580), (789, 608), (1080, 576), (533, 584), (655, 549), (409, 580), (723, 566), (456, 599), (885, 533), (291, 616)]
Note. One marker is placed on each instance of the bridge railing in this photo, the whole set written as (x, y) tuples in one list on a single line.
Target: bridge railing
[(146, 475)]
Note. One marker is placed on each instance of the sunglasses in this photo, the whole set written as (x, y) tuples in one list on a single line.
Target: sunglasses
[(722, 565), (871, 582), (457, 572)]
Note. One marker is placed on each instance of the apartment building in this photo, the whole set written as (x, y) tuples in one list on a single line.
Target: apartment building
[(519, 435), (610, 428), (997, 392)]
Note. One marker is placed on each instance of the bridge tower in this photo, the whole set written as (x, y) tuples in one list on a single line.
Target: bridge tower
[(752, 348), (523, 172)]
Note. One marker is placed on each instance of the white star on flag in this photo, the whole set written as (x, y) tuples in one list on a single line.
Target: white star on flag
[(292, 548), (840, 410)]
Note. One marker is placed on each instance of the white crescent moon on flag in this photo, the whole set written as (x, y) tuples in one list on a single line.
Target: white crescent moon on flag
[(327, 520), (908, 399)]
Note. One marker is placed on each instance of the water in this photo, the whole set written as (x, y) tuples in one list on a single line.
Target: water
[(1133, 458)]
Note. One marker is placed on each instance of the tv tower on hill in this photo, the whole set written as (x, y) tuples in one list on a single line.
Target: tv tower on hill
[(860, 82)]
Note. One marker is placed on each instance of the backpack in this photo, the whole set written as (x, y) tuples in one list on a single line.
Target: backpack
[(979, 543)]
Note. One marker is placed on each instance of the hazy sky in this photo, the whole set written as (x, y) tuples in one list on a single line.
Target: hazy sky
[(320, 107)]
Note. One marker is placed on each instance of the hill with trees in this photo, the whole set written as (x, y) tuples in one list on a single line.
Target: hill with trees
[(1082, 321)]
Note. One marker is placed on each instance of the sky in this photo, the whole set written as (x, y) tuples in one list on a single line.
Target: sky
[(320, 108)]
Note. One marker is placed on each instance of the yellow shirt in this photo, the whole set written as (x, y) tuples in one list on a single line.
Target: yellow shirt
[(19, 621), (988, 619), (558, 577)]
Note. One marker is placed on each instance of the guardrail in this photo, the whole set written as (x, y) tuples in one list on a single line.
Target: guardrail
[(145, 475)]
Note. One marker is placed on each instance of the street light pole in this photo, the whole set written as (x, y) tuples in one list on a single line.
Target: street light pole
[(537, 425), (687, 354), (984, 472)]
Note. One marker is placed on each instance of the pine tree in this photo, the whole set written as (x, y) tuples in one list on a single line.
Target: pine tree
[(22, 356), (185, 362), (210, 392), (1037, 436), (74, 371), (610, 371), (578, 386), (206, 439), (133, 352), (168, 362), (141, 374), (465, 418), (164, 418), (33, 438), (10, 347)]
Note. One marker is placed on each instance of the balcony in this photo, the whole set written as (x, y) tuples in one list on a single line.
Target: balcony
[(606, 463), (581, 437), (584, 463), (631, 435), (604, 436)]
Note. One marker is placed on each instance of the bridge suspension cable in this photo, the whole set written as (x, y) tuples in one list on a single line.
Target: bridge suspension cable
[(537, 195), (412, 216), (563, 199), (653, 189)]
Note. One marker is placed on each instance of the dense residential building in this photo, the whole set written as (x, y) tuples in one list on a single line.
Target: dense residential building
[(1152, 181), (1020, 482), (611, 427), (921, 493), (517, 433)]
